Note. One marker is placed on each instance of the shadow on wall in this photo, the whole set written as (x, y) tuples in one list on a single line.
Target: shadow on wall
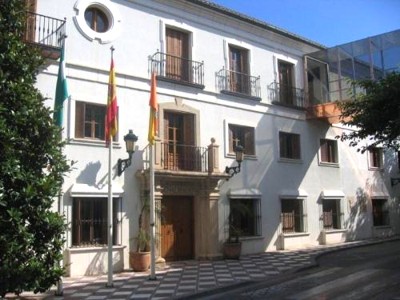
[(358, 215), (89, 174), (92, 262)]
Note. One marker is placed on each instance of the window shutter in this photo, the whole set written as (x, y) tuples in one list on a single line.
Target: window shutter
[(79, 119), (324, 150), (296, 146), (188, 129), (249, 141), (230, 139)]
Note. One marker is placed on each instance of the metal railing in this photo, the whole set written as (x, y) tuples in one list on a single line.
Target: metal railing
[(177, 157), (177, 68), (44, 30), (286, 95), (240, 83)]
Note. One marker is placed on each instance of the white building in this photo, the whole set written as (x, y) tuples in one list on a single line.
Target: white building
[(223, 79)]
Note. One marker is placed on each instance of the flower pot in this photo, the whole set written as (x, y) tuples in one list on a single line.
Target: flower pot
[(139, 261), (232, 250)]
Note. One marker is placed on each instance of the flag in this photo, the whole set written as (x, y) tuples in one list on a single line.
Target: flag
[(61, 92), (153, 122), (111, 119)]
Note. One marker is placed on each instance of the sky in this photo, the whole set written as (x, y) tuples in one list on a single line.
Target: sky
[(327, 22)]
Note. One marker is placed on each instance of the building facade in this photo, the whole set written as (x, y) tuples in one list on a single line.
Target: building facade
[(223, 80)]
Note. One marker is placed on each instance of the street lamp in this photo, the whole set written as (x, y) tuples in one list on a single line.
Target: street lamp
[(239, 158), (130, 140)]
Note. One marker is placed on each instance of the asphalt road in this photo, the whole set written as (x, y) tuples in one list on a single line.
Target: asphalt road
[(368, 272)]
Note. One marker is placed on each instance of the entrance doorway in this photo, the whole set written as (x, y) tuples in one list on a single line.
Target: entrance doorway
[(177, 228)]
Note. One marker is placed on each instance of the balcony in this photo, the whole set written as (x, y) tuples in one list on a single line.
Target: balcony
[(46, 33), (286, 95), (330, 71), (238, 84), (173, 159), (178, 69)]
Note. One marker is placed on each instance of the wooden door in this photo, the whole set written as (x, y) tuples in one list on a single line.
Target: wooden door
[(177, 55), (30, 31), (177, 228), (238, 63), (286, 83)]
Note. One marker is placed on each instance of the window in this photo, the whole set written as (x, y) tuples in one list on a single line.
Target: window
[(177, 60), (328, 151), (289, 145), (89, 221), (96, 19), (245, 217), (331, 214), (380, 212), (90, 121), (239, 70), (375, 158), (293, 218), (241, 135), (286, 93)]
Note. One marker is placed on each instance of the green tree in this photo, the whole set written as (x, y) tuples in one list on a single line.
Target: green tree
[(32, 166), (374, 113)]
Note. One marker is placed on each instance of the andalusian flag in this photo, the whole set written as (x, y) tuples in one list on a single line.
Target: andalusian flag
[(61, 92), (111, 121), (153, 123)]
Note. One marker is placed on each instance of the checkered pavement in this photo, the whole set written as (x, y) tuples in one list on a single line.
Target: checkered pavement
[(190, 277)]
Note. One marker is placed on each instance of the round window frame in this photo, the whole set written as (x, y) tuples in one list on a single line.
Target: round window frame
[(111, 13)]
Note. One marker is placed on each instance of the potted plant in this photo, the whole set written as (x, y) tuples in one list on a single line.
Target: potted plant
[(139, 259), (232, 247)]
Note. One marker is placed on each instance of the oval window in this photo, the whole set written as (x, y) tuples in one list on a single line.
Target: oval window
[(96, 19)]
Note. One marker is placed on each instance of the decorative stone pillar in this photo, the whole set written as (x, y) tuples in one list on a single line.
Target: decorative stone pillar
[(160, 261), (213, 158)]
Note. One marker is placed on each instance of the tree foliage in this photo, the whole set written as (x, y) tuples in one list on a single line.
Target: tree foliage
[(32, 166), (374, 113)]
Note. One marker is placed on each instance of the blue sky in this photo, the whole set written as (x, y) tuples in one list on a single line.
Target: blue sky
[(328, 22)]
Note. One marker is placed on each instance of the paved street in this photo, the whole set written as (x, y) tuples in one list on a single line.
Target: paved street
[(223, 278), (370, 272)]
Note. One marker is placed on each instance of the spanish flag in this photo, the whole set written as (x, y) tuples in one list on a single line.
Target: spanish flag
[(111, 118), (153, 122)]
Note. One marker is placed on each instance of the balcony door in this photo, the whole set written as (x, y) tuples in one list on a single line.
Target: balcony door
[(179, 146), (31, 20), (239, 70), (285, 83), (177, 60)]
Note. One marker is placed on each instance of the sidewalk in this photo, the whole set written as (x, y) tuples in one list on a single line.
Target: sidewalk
[(190, 277)]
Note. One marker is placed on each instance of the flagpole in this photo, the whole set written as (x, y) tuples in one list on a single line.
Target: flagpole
[(152, 134), (152, 217), (110, 205), (60, 287)]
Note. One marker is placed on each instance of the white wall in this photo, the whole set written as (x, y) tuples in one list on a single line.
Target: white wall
[(87, 72)]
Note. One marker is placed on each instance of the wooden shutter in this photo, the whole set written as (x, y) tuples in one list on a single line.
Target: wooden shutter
[(231, 139), (324, 150), (79, 119), (177, 54), (188, 130), (296, 146), (249, 141)]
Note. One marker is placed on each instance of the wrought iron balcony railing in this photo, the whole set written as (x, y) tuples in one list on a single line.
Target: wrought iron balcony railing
[(176, 157), (45, 32), (178, 68), (286, 95), (238, 83)]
